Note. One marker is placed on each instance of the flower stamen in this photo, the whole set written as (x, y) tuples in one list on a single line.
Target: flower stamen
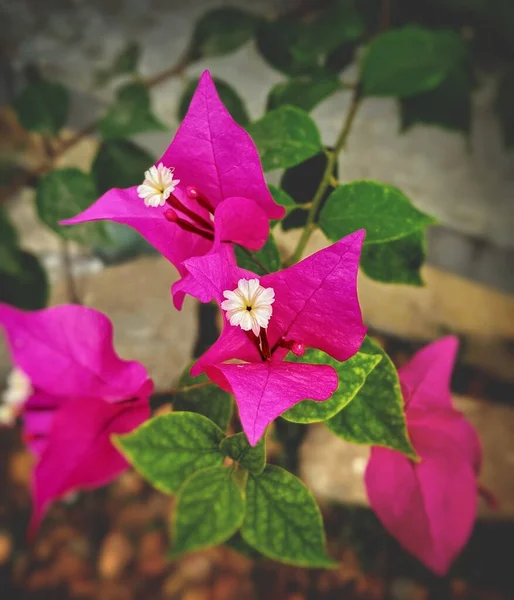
[(157, 186), (249, 307), (171, 216)]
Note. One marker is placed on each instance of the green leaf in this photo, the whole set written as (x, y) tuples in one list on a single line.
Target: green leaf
[(43, 106), (64, 193), (228, 95), (504, 106), (130, 114), (167, 449), (209, 510), (28, 288), (382, 210), (375, 416), (352, 375), (126, 62), (252, 458), (448, 105), (298, 48), (341, 23), (222, 31), (265, 260), (399, 261), (279, 42), (282, 520), (285, 137), (283, 198), (303, 92), (210, 401), (409, 61), (120, 163), (237, 543)]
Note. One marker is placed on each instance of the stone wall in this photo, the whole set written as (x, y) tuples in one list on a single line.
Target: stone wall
[(468, 186)]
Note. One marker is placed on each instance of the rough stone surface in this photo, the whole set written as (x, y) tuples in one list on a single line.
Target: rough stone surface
[(333, 468), (136, 297), (469, 187)]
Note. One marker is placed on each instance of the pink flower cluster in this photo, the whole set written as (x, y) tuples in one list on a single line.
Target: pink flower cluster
[(82, 392)]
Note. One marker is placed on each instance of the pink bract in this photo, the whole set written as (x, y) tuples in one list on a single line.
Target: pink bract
[(430, 506), (214, 155), (316, 305), (83, 393)]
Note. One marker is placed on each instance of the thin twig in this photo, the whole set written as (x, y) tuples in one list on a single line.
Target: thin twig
[(31, 177), (327, 177), (67, 263), (385, 15), (189, 388)]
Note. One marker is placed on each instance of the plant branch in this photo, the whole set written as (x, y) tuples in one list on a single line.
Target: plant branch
[(31, 177), (71, 286), (327, 177), (190, 388)]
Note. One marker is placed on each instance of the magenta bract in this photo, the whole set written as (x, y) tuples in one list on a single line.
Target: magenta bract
[(222, 195), (430, 506), (316, 305), (83, 393)]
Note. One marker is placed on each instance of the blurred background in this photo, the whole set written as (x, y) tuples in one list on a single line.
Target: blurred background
[(451, 154)]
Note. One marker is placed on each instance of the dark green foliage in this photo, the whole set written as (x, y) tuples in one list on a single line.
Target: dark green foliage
[(64, 193), (28, 287), (409, 61), (375, 416), (120, 163), (398, 261), (43, 107), (252, 458), (210, 401), (167, 449), (209, 510), (221, 31), (126, 62), (265, 260), (352, 375), (304, 92), (228, 95), (448, 105), (285, 137), (382, 210), (282, 520), (130, 114)]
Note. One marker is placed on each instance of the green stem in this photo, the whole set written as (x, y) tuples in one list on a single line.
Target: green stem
[(328, 175), (189, 388), (71, 285)]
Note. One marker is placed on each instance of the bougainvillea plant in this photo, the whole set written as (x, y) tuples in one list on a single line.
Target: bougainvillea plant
[(293, 346)]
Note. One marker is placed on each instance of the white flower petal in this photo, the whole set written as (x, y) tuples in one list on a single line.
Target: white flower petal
[(256, 328), (246, 321), (235, 317)]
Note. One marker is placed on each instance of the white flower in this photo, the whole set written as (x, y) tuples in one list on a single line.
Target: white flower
[(157, 186), (17, 392), (249, 305)]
